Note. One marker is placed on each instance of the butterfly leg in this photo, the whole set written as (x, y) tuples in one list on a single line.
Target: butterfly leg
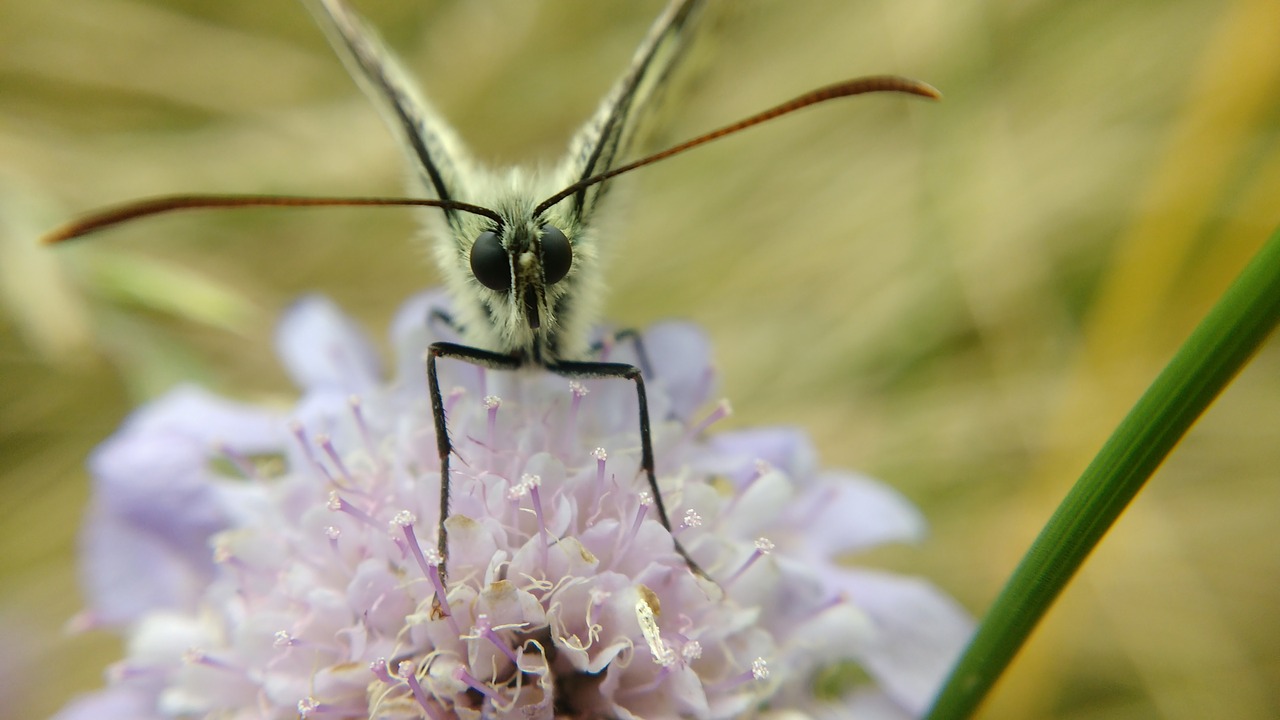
[(598, 348), (623, 371), (443, 318), (475, 356)]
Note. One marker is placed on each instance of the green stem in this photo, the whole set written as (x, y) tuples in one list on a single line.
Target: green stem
[(1217, 350)]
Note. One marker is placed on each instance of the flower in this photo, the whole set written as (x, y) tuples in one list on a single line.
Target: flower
[(273, 564)]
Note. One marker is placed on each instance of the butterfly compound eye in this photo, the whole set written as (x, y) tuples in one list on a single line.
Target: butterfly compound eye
[(557, 256), (489, 262)]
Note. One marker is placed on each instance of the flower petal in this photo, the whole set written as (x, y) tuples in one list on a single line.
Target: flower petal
[(156, 494), (736, 454), (321, 347), (681, 357), (844, 512), (119, 702), (920, 632), (412, 331), (128, 572)]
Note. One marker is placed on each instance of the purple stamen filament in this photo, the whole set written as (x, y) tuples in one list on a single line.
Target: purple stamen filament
[(492, 403), (485, 689), (454, 395), (300, 433), (763, 547), (122, 671), (196, 656), (405, 519), (406, 671), (381, 671), (338, 504), (532, 482), (721, 411), (357, 410), (430, 567), (646, 501), (759, 672), (485, 630), (601, 455), (326, 443), (664, 670), (579, 391)]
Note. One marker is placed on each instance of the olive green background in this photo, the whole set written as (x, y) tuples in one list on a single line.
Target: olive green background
[(960, 298)]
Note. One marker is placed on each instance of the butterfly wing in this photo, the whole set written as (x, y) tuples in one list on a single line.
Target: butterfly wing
[(610, 133), (442, 161)]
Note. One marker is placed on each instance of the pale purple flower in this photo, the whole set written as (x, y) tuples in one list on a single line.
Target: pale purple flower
[(275, 562)]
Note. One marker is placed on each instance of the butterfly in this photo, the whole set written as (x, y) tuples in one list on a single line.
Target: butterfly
[(518, 249)]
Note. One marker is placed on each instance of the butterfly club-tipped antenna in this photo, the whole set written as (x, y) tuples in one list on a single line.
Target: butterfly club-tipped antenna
[(519, 260)]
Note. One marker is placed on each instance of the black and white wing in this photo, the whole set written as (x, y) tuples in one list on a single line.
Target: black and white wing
[(607, 137), (528, 316), (440, 159)]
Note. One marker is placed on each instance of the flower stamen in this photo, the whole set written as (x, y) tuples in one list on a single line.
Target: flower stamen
[(284, 639), (721, 411), (408, 673), (482, 629), (764, 546), (759, 672), (197, 656), (381, 671), (309, 707), (455, 394), (491, 405), (533, 482), (300, 433), (646, 501), (429, 563), (462, 675), (691, 519), (601, 455), (338, 504), (332, 532), (366, 435), (691, 651), (578, 391), (326, 444)]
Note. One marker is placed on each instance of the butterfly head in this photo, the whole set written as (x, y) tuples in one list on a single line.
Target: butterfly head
[(519, 276), (522, 263)]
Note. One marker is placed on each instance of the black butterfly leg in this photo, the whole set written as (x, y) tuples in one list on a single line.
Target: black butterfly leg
[(475, 356), (642, 357), (440, 316), (623, 371)]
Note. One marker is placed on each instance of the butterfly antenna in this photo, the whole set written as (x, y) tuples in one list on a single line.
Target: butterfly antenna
[(858, 86), (128, 212)]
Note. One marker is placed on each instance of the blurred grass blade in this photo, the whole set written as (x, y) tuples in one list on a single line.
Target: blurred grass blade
[(172, 289), (1202, 367)]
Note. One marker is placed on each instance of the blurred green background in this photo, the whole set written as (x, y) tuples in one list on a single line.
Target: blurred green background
[(960, 298)]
